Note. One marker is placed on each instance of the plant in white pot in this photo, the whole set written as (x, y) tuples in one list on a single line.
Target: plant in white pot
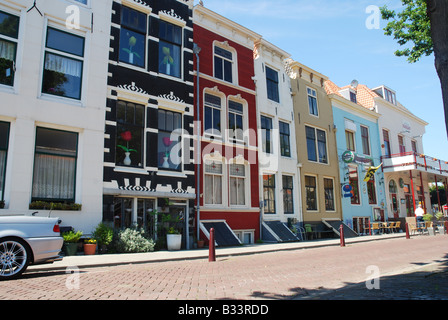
[(173, 239)]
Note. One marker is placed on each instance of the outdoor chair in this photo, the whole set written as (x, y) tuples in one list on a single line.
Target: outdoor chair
[(376, 227), (397, 226)]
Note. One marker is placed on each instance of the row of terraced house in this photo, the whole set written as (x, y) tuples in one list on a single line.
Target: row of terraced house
[(113, 110)]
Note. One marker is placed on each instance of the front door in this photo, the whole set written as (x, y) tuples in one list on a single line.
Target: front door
[(409, 206), (395, 209)]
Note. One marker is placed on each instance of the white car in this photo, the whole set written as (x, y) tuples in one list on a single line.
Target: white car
[(26, 240)]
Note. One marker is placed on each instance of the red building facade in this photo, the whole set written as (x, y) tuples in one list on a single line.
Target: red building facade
[(229, 184)]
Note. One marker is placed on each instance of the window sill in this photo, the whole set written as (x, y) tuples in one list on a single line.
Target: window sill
[(58, 99), (131, 170), (7, 89), (177, 174)]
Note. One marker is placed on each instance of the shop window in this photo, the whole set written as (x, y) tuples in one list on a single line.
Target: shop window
[(55, 157), (169, 140), (130, 126), (133, 37), (170, 44), (63, 66), (9, 33)]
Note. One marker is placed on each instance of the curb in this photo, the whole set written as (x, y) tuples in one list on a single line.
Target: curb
[(82, 261)]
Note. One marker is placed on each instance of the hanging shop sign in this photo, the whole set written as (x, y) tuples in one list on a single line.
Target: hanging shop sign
[(347, 191)]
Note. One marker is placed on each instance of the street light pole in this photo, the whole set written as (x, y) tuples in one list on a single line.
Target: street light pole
[(196, 51)]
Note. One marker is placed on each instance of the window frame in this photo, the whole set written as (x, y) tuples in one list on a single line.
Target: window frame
[(365, 139), (213, 132), (401, 144), (67, 56), (240, 177), (288, 190), (285, 139), (212, 188), (269, 186), (4, 148), (328, 199), (231, 62), (266, 135), (272, 84), (123, 26), (350, 140), (174, 44), (169, 132), (308, 192), (371, 191), (314, 143), (387, 145), (232, 112), (75, 157), (313, 108), (15, 41), (354, 182)]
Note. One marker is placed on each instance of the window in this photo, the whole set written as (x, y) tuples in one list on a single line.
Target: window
[(371, 190), (414, 145), (170, 49), (365, 140), (288, 202), (132, 37), (63, 64), (390, 96), (4, 142), (312, 102), (272, 84), (212, 114), (235, 121), (401, 145), (169, 138), (269, 193), (285, 147), (353, 97), (55, 165), (223, 64), (237, 184), (316, 145), (213, 183), (329, 194), (130, 126), (353, 181), (386, 143), (266, 127), (9, 33), (311, 193), (82, 1), (350, 140)]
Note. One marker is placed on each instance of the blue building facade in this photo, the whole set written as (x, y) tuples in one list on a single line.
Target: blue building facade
[(359, 149)]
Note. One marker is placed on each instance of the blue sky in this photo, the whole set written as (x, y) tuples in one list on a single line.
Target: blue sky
[(331, 37)]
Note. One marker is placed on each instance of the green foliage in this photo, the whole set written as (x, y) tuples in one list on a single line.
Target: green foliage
[(427, 217), (45, 205), (172, 230), (71, 236), (439, 215), (132, 240), (410, 27), (103, 234)]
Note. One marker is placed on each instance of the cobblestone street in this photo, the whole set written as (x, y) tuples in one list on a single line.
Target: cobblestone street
[(408, 269)]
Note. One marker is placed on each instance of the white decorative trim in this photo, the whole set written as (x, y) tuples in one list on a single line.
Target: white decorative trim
[(171, 97), (138, 5), (132, 87), (172, 17)]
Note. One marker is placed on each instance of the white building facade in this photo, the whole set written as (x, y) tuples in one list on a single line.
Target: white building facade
[(53, 72), (279, 172)]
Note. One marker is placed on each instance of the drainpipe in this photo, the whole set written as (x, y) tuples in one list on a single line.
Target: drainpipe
[(196, 51)]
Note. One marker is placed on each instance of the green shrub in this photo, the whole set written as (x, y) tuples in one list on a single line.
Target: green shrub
[(133, 240), (103, 234), (71, 236)]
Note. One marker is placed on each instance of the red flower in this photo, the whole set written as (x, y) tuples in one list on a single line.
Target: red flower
[(126, 136)]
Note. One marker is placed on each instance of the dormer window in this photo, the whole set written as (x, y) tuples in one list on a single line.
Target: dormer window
[(353, 97), (390, 96)]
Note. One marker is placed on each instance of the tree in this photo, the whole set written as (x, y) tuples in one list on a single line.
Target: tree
[(424, 25)]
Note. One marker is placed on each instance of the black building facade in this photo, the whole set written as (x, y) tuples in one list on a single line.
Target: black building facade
[(148, 145)]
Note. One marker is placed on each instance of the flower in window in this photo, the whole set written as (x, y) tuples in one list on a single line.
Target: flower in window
[(167, 60), (126, 136), (132, 42)]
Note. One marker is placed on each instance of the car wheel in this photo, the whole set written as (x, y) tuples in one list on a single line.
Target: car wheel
[(14, 258)]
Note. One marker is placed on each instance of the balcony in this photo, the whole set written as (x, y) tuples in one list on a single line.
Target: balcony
[(414, 161)]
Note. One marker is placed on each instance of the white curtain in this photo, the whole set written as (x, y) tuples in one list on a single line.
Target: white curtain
[(7, 50), (54, 177), (2, 170), (63, 65), (237, 194)]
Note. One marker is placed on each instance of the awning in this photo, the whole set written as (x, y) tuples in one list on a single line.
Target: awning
[(335, 224), (224, 236), (277, 231)]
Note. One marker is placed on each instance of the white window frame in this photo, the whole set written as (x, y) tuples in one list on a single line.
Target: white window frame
[(312, 94), (222, 183), (245, 180), (234, 62)]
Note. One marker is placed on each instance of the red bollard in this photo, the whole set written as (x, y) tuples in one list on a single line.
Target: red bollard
[(211, 246), (446, 227), (407, 231), (341, 232)]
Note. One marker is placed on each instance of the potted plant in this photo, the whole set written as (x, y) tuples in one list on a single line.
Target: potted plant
[(429, 226), (126, 136), (89, 246), (440, 222), (104, 235), (71, 240), (173, 239)]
